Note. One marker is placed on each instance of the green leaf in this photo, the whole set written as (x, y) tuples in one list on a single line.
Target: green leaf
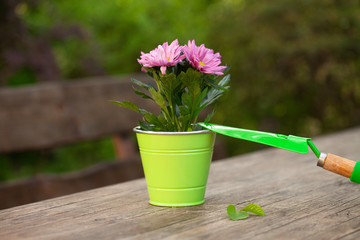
[(216, 92), (216, 86), (127, 104), (185, 121), (210, 115), (187, 99), (198, 100), (212, 96), (141, 84), (192, 80), (226, 71), (183, 110), (253, 208), (150, 71), (231, 211), (144, 95), (152, 119), (158, 98), (224, 82), (169, 82), (130, 105), (162, 120), (146, 126), (234, 215)]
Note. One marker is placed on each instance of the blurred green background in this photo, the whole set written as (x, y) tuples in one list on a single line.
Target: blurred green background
[(295, 65)]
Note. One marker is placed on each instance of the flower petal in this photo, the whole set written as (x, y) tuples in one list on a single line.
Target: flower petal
[(163, 70), (162, 56), (203, 58)]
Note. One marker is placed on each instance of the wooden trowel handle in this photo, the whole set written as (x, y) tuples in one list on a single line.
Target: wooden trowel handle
[(340, 165)]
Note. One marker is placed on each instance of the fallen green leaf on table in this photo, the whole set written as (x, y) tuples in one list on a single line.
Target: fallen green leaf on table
[(234, 215), (243, 213), (253, 208)]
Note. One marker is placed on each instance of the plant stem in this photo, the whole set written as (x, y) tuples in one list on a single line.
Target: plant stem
[(195, 120)]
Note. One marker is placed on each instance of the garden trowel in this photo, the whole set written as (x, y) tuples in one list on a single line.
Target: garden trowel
[(330, 162)]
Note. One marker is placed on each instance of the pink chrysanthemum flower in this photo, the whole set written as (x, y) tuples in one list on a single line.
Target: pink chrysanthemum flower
[(203, 58), (163, 56)]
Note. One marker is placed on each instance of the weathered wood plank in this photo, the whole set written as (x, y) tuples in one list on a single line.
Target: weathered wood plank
[(302, 202), (45, 186), (48, 115)]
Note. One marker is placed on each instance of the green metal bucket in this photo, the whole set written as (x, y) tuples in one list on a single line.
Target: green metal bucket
[(176, 165)]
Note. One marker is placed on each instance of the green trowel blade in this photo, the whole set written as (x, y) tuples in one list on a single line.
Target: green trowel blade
[(291, 143)]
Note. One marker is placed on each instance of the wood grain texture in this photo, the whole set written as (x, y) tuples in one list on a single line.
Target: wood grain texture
[(302, 201), (339, 165), (45, 186)]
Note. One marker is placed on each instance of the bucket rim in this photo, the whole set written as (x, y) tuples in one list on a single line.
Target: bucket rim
[(138, 130)]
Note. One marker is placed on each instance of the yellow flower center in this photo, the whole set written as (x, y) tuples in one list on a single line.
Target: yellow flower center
[(168, 59), (202, 64)]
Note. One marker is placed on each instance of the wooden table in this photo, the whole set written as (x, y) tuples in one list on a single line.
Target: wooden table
[(302, 201)]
